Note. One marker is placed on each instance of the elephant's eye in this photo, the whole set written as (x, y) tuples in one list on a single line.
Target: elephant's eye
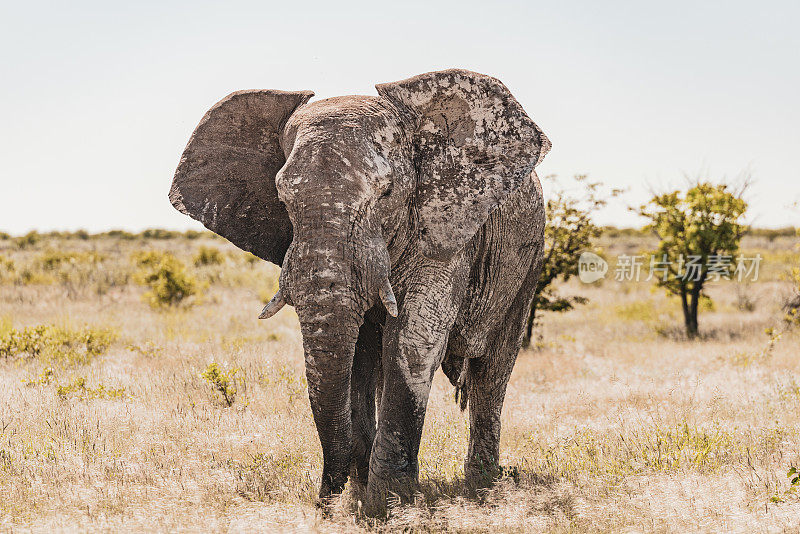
[(388, 191)]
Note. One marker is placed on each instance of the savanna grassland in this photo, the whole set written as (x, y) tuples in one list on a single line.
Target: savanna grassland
[(138, 391)]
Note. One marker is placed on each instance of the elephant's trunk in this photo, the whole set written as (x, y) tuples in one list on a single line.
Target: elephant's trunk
[(336, 268), (329, 352), (319, 280)]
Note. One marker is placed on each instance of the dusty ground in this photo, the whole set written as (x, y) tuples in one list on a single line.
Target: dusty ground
[(614, 423)]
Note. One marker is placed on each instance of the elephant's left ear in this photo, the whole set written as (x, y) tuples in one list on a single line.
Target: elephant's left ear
[(474, 146)]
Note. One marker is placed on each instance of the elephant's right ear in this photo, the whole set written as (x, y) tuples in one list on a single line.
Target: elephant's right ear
[(474, 147), (226, 177)]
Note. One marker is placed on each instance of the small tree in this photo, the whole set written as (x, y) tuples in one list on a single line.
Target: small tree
[(699, 232), (569, 230)]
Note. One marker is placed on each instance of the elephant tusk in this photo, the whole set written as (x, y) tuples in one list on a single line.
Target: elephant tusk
[(273, 306), (387, 297)]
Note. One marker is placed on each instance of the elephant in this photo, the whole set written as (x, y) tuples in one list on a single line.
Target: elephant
[(409, 228)]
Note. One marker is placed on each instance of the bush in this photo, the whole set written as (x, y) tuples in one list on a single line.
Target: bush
[(773, 233), (208, 256), (613, 232), (55, 343), (166, 276), (78, 389), (77, 272), (150, 258), (251, 259), (52, 260), (46, 377), (221, 381), (7, 269), (159, 233), (28, 240), (148, 350), (120, 234), (193, 234)]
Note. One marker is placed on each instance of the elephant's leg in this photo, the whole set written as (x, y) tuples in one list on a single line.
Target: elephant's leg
[(414, 345), (486, 386), (366, 371), (487, 379)]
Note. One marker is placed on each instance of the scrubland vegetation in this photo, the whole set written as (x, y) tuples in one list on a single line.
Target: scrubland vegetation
[(138, 391)]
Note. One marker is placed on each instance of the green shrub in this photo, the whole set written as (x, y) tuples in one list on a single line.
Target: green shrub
[(159, 233), (221, 382), (28, 240), (78, 389), (166, 276), (613, 232), (148, 349), (149, 258), (55, 343), (78, 272), (773, 233), (52, 260), (251, 259), (120, 234), (794, 486), (7, 269), (46, 377), (208, 256)]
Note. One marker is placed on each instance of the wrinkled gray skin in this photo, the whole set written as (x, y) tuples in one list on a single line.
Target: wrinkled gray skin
[(429, 188)]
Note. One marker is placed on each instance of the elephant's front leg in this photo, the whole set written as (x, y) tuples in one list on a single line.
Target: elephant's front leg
[(414, 344)]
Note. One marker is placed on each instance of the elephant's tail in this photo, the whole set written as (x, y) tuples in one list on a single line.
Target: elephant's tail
[(462, 386)]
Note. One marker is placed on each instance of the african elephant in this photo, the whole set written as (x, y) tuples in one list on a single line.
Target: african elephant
[(421, 202)]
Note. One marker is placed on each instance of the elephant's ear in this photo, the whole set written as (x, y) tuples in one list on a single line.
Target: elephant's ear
[(226, 177), (474, 146)]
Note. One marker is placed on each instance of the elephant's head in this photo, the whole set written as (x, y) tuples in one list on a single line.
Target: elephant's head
[(336, 191)]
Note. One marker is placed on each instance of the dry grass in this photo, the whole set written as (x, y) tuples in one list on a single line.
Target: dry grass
[(615, 423)]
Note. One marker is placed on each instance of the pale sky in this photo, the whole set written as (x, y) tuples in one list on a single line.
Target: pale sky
[(100, 99)]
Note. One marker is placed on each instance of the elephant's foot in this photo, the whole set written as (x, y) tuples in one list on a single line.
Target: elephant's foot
[(330, 495), (480, 474), (387, 488), (332, 485)]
